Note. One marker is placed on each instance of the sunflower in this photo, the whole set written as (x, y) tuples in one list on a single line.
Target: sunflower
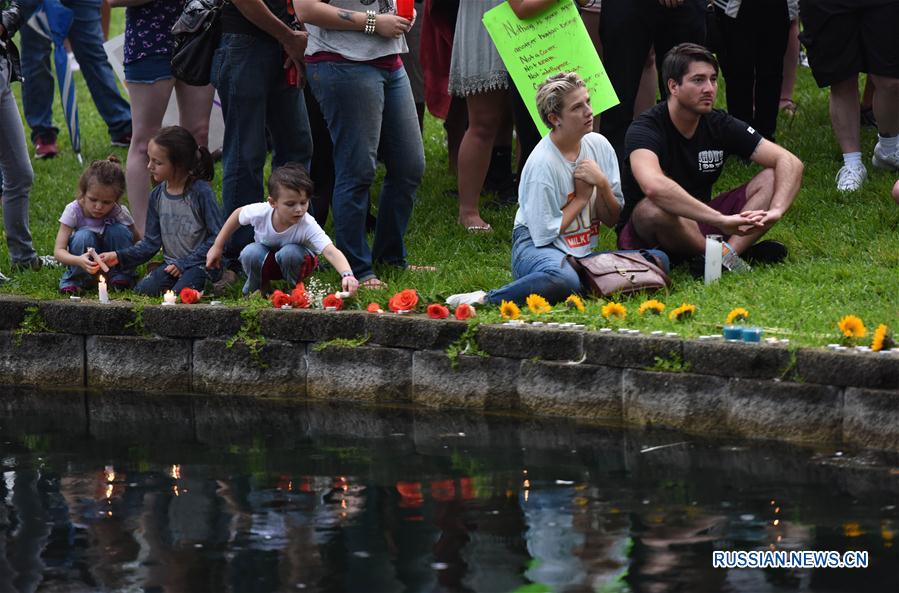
[(852, 327), (575, 302), (509, 310), (738, 314), (613, 309), (652, 306), (883, 340), (537, 304), (685, 311)]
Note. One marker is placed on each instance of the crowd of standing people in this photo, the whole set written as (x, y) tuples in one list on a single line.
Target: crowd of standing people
[(333, 87)]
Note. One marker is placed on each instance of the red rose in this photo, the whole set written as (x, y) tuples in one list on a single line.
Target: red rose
[(280, 298), (332, 300), (299, 299), (464, 311), (437, 311), (189, 296), (404, 300), (374, 308)]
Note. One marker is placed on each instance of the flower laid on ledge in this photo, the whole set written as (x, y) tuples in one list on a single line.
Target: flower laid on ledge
[(332, 300), (464, 311), (189, 296), (852, 327), (279, 298), (613, 309), (651, 306), (509, 310), (883, 339), (537, 304), (737, 315), (437, 311), (299, 298), (682, 313), (575, 302), (374, 308), (404, 300)]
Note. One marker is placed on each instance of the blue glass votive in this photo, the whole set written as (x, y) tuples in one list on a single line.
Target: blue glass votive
[(733, 332), (752, 334)]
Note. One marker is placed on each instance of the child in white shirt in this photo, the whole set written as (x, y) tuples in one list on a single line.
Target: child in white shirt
[(282, 231)]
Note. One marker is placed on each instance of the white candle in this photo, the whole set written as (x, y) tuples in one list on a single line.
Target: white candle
[(104, 293), (168, 298)]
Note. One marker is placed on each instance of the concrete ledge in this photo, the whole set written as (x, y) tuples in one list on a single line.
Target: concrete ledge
[(219, 369), (635, 351), (366, 373), (49, 360), (579, 391), (89, 317), (419, 333), (12, 311), (687, 402), (154, 364), (849, 369), (796, 412), (531, 342), (192, 321), (309, 325), (871, 418), (736, 359), (478, 383)]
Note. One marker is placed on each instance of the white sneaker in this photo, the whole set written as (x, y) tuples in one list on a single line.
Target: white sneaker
[(3, 278), (851, 178), (884, 160), (478, 297)]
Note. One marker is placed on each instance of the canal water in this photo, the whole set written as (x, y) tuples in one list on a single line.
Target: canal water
[(119, 492)]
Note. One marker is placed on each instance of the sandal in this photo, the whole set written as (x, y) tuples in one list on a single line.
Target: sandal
[(373, 283), (412, 268), (478, 229)]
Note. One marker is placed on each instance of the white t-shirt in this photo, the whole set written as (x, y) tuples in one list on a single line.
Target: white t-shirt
[(307, 232), (547, 184)]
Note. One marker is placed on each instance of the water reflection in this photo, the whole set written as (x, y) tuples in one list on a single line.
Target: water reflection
[(325, 499)]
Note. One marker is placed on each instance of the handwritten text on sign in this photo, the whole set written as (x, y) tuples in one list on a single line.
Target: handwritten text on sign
[(555, 41)]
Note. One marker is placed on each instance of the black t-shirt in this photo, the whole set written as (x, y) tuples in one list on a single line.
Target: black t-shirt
[(694, 163), (235, 22)]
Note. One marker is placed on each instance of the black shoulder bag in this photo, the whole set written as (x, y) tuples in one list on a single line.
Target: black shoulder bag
[(197, 33)]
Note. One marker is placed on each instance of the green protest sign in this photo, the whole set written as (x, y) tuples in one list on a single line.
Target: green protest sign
[(555, 41)]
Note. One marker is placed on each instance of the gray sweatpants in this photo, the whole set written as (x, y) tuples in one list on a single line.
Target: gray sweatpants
[(17, 173)]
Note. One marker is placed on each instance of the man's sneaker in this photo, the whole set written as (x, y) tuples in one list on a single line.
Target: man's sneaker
[(34, 265), (48, 261), (885, 160), (851, 178), (3, 278), (123, 141), (478, 297), (45, 147), (766, 252)]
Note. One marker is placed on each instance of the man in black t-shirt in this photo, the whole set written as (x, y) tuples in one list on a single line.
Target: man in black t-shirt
[(674, 154), (257, 70)]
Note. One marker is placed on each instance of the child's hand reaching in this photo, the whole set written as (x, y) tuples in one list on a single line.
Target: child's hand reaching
[(350, 284), (109, 258), (86, 263), (172, 270), (214, 258)]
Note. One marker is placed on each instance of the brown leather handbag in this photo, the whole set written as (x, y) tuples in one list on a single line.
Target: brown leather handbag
[(619, 272)]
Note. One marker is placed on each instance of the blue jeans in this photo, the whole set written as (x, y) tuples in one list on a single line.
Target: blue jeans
[(158, 281), (289, 257), (86, 38), (364, 105), (543, 271), (248, 73), (114, 237), (16, 174)]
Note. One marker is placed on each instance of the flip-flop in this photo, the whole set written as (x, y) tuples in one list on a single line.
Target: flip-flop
[(373, 283), (412, 268), (476, 229)]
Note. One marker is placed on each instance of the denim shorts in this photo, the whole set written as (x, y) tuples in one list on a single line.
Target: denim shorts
[(149, 70)]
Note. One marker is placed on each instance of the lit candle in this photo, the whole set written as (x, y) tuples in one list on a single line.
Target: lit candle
[(168, 298), (104, 293)]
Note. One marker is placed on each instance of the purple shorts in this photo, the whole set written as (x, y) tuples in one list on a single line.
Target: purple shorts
[(729, 202)]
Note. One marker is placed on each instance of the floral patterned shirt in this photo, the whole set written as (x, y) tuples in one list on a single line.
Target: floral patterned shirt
[(148, 29)]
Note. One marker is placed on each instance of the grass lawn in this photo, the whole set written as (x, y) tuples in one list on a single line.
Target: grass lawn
[(844, 249)]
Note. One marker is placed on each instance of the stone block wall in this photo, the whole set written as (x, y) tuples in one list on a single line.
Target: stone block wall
[(804, 395)]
